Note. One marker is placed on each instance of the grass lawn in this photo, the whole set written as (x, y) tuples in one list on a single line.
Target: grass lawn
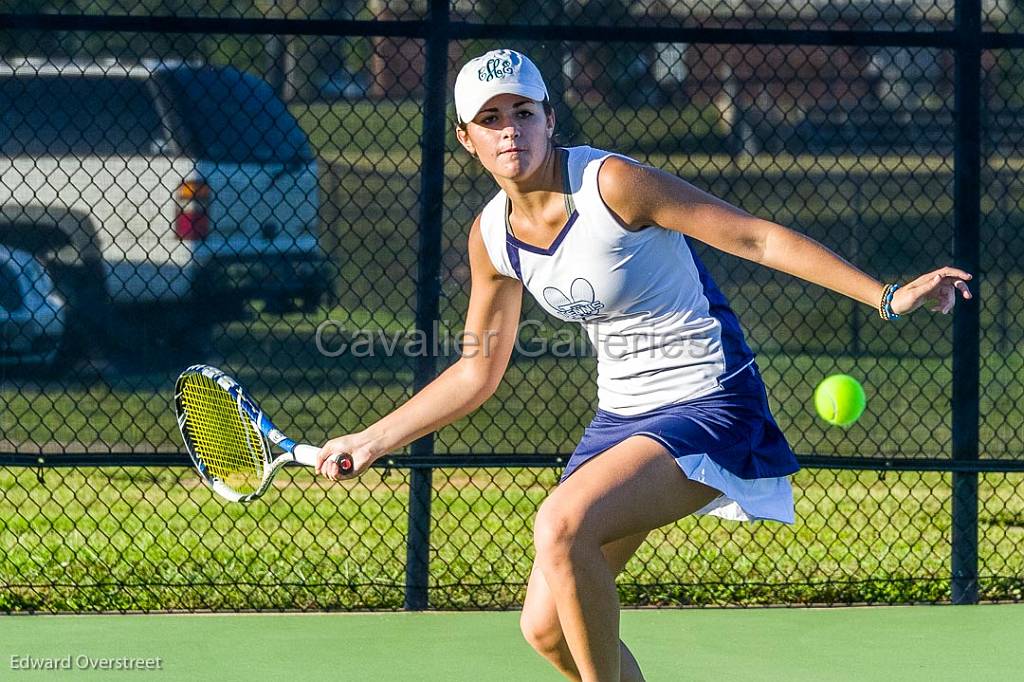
[(129, 538)]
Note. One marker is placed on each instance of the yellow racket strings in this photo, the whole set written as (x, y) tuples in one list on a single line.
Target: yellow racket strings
[(225, 441)]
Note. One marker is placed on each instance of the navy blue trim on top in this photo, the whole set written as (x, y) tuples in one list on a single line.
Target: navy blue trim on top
[(512, 240), (734, 345), (513, 258)]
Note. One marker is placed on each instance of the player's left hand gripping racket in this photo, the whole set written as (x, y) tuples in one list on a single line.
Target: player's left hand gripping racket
[(226, 435)]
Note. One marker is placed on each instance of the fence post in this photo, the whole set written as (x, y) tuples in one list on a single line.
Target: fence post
[(853, 249), (966, 332), (428, 289)]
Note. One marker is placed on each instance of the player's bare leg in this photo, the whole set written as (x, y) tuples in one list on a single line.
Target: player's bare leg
[(539, 620), (632, 488)]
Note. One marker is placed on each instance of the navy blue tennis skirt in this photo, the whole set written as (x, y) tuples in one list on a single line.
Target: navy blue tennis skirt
[(727, 439)]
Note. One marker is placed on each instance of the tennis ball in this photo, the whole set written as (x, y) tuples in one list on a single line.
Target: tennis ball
[(839, 399)]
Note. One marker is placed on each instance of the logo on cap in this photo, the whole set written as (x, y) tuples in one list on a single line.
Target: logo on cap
[(498, 68)]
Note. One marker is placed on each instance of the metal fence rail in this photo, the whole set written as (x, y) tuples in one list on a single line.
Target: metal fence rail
[(885, 131)]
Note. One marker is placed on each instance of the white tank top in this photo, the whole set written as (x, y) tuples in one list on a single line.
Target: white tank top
[(661, 329)]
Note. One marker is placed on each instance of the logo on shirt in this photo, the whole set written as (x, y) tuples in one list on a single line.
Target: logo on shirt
[(578, 305)]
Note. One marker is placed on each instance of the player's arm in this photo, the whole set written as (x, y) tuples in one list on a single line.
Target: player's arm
[(640, 195), (489, 337)]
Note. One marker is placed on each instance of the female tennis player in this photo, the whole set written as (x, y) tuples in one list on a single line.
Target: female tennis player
[(683, 425)]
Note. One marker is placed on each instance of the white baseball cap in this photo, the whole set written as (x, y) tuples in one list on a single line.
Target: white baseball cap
[(498, 72)]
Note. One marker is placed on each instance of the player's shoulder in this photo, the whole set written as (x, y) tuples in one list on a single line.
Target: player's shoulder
[(474, 229), (475, 242), (480, 257), (618, 169), (477, 232), (620, 182), (607, 168)]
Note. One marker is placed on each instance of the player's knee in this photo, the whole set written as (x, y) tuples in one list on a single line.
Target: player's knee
[(556, 531)]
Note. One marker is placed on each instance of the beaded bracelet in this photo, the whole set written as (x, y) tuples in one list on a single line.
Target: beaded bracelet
[(885, 305)]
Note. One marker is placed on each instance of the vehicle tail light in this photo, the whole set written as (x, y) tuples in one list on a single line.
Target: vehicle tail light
[(192, 227), (192, 222)]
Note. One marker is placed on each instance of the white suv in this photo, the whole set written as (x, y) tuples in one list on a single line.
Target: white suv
[(164, 195)]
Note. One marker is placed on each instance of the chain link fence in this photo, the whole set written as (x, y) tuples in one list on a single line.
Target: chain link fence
[(275, 188)]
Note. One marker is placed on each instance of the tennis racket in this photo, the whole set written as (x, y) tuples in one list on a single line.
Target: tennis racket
[(226, 435)]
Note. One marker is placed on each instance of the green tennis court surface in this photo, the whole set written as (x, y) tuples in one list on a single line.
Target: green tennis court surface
[(889, 643)]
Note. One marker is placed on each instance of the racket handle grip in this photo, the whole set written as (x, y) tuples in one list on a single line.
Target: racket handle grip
[(344, 463), (307, 454)]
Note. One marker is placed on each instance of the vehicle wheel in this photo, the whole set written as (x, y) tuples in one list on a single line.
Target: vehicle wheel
[(311, 300), (88, 311)]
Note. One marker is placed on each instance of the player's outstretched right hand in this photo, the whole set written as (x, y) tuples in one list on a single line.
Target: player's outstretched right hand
[(358, 446)]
